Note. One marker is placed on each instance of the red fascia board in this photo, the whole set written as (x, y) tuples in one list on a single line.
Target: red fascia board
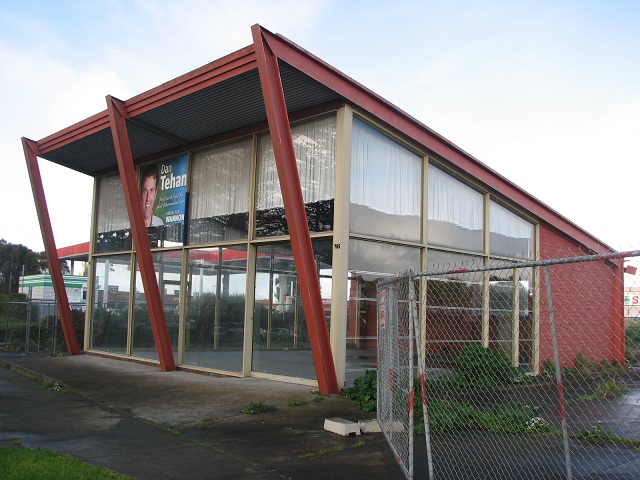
[(399, 120), (217, 71), (82, 129), (73, 250)]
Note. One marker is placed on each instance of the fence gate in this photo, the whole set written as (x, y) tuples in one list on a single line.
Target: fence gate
[(531, 370)]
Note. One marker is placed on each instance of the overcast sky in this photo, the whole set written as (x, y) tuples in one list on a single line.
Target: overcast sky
[(547, 93)]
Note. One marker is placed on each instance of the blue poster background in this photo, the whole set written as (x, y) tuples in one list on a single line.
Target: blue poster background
[(172, 190)]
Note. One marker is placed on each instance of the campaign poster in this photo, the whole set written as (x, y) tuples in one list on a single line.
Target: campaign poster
[(163, 192)]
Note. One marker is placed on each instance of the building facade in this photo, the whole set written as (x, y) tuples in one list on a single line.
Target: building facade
[(244, 212)]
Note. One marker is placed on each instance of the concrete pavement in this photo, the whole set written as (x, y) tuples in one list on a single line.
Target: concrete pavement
[(139, 421)]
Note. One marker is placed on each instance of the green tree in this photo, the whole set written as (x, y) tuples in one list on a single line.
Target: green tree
[(17, 260), (14, 260)]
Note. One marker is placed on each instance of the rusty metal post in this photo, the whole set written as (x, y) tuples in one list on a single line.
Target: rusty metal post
[(117, 118), (31, 153), (296, 216)]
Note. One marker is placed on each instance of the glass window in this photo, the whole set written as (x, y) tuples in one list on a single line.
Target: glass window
[(113, 230), (505, 292), (314, 144), (455, 218), (386, 185), (168, 267), (280, 338), (220, 187), (453, 306), (110, 314), (216, 285), (510, 235), (368, 262)]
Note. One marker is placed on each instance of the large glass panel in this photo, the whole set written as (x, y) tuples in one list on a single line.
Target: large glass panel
[(453, 306), (110, 314), (113, 231), (510, 235), (216, 283), (386, 186), (220, 187), (168, 267), (368, 262), (280, 339), (314, 144), (511, 291), (455, 218)]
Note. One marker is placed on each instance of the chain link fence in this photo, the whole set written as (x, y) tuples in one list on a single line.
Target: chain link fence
[(528, 370), (33, 326)]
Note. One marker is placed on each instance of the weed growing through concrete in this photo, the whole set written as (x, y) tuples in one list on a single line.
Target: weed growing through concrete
[(255, 408), (600, 436), (360, 442), (297, 402), (317, 396), (323, 452)]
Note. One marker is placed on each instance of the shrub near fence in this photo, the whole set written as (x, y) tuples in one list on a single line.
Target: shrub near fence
[(526, 369), (34, 327)]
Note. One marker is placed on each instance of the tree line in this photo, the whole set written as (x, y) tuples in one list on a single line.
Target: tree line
[(17, 260)]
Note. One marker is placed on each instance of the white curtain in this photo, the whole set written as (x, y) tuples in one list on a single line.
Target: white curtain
[(504, 222), (314, 144), (452, 201), (384, 175), (112, 209), (221, 180)]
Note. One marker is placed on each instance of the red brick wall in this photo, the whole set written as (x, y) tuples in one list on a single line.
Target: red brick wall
[(584, 300)]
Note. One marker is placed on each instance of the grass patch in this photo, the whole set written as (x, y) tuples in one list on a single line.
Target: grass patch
[(255, 408), (169, 429), (607, 389), (297, 402), (323, 452), (360, 442), (21, 463), (599, 436), (445, 416), (317, 396)]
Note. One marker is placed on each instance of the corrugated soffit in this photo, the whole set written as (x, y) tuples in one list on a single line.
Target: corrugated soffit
[(222, 107)]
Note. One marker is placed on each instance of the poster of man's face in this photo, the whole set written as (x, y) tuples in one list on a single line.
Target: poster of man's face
[(163, 188), (148, 194)]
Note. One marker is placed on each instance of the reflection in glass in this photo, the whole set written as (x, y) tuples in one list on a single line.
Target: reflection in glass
[(280, 338), (113, 231), (216, 283), (314, 144), (168, 267), (455, 218), (510, 235), (110, 314), (386, 186), (368, 262), (220, 186), (509, 292), (453, 306)]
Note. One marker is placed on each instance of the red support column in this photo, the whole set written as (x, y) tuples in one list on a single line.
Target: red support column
[(117, 119), (296, 216), (31, 155)]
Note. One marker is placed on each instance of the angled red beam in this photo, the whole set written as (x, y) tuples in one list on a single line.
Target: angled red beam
[(296, 216), (53, 262), (117, 120), (302, 60)]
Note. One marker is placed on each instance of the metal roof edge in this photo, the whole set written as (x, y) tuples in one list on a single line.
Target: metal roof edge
[(399, 120)]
